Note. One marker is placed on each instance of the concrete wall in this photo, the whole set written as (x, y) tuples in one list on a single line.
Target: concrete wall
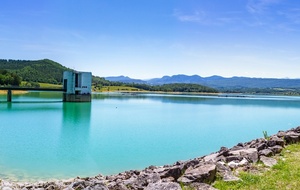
[(70, 77), (77, 98), (84, 83), (78, 86)]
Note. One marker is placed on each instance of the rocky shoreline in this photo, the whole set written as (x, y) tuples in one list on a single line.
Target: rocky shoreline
[(198, 173)]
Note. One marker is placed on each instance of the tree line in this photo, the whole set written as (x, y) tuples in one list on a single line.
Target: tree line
[(8, 78)]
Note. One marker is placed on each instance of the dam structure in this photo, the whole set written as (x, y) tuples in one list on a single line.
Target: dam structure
[(77, 87)]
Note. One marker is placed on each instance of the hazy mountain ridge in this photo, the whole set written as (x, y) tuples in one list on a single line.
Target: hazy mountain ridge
[(216, 81), (124, 79)]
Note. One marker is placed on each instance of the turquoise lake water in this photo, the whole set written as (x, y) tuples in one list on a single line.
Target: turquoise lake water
[(43, 138)]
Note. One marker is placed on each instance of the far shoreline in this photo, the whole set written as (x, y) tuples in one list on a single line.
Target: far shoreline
[(159, 92)]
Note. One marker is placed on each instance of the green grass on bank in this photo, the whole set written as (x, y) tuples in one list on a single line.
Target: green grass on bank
[(40, 85), (284, 175), (47, 85)]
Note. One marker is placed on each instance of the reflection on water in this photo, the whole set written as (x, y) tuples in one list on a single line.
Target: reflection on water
[(76, 114), (41, 140), (74, 136), (9, 105), (34, 96)]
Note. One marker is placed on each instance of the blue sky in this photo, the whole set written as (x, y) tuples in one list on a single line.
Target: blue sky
[(151, 38)]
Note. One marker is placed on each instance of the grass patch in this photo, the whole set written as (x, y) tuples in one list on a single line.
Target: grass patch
[(266, 136), (284, 175), (187, 188), (47, 85)]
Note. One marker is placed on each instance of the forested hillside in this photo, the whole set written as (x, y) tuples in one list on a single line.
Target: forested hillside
[(45, 71), (7, 78)]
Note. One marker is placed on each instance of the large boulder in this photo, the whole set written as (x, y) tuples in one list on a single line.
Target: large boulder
[(250, 154), (280, 134), (237, 164), (235, 158), (256, 143), (211, 157), (267, 161), (201, 186), (274, 140), (174, 171), (266, 152), (297, 129), (261, 146), (292, 137), (276, 149), (142, 180), (225, 172), (191, 163), (163, 186), (223, 151), (203, 173), (103, 187)]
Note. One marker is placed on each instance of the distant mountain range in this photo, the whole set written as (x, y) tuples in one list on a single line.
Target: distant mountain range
[(218, 82), (125, 79)]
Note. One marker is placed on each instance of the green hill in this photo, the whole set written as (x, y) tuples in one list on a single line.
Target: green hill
[(44, 71)]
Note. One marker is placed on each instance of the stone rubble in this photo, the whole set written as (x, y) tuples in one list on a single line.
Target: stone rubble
[(198, 173)]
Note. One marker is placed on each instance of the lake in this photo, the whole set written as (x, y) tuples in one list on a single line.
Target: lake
[(43, 138)]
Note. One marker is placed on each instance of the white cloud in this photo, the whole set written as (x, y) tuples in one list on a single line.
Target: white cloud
[(196, 16), (208, 18), (260, 6)]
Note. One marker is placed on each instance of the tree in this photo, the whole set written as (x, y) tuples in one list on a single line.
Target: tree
[(7, 78)]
